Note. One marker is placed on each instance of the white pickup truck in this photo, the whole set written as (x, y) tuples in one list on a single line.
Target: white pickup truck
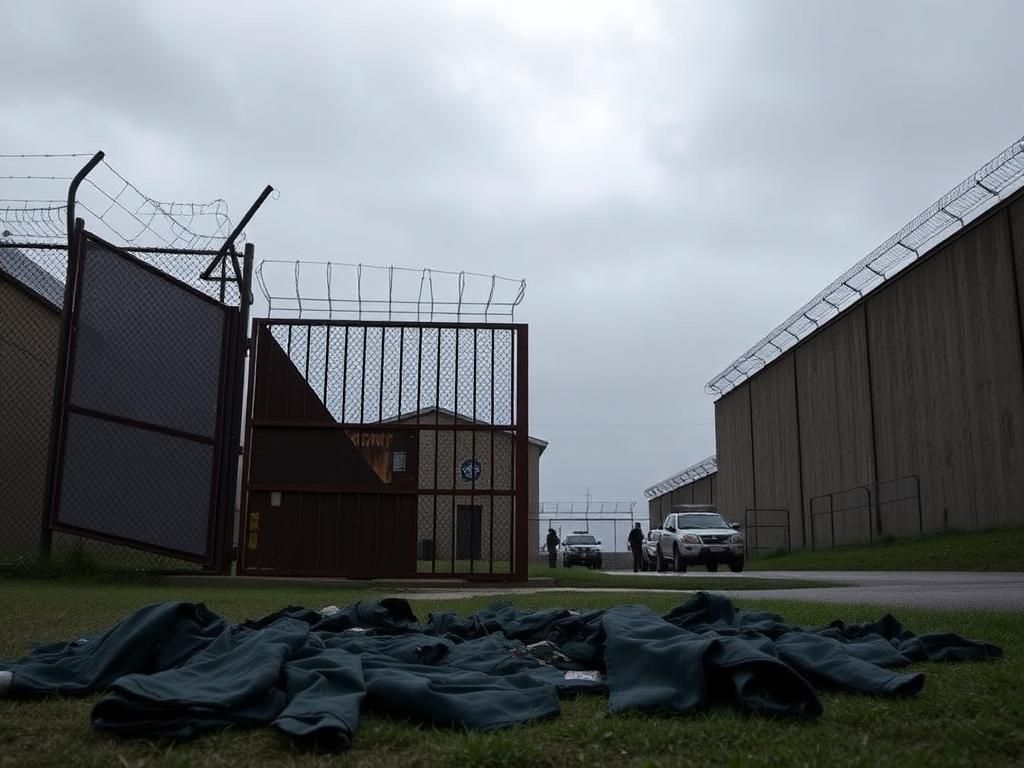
[(698, 535)]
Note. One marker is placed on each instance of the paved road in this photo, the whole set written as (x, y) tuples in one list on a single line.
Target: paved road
[(921, 589), (950, 590)]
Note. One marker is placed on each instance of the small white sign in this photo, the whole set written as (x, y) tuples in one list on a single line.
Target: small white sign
[(398, 459)]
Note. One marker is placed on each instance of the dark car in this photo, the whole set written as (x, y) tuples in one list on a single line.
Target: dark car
[(648, 554), (581, 549)]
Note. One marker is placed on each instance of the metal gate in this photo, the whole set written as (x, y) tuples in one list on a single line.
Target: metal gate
[(142, 453), (378, 449)]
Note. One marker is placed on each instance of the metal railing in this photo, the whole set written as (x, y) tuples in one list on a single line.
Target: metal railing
[(753, 541), (871, 507)]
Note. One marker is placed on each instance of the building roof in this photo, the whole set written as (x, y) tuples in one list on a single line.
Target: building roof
[(966, 201), (542, 444), (28, 275), (702, 468)]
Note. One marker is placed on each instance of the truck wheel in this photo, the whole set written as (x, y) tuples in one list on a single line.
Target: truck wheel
[(678, 562), (736, 566), (662, 562)]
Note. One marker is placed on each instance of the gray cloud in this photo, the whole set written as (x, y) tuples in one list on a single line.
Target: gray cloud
[(672, 179)]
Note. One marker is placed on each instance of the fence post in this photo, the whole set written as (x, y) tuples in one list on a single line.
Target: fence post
[(921, 514), (832, 520), (746, 530), (871, 538)]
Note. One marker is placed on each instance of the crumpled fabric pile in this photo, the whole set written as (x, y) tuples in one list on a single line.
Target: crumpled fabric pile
[(177, 670)]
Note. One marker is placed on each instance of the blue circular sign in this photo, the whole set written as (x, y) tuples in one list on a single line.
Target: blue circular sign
[(470, 470)]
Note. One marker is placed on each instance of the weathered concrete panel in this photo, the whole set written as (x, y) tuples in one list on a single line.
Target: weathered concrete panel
[(947, 381), (683, 494), (659, 508), (735, 482), (1017, 242), (701, 491), (777, 443), (835, 425), (29, 337)]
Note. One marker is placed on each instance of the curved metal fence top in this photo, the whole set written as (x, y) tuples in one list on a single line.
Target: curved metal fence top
[(592, 509), (967, 200), (686, 476), (370, 292), (33, 207)]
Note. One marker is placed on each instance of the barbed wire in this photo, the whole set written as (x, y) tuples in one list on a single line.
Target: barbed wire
[(1001, 176), (592, 509), (702, 468), (366, 291), (117, 209)]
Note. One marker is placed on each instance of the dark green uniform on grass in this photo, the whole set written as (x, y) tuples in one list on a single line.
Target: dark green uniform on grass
[(177, 670)]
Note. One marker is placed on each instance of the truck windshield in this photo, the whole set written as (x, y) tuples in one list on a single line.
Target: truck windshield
[(702, 520), (576, 540)]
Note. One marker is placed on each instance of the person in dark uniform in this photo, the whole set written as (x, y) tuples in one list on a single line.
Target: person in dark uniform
[(552, 544), (636, 546)]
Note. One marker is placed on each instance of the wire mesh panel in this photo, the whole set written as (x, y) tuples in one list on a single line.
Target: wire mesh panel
[(195, 243), (143, 438), (386, 449)]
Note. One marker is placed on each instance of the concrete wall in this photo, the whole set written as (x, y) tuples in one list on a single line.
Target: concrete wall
[(776, 447), (701, 491), (836, 441), (29, 337), (948, 382), (735, 483), (658, 509), (923, 378)]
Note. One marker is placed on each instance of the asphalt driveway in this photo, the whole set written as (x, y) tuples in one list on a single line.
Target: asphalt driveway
[(1001, 591)]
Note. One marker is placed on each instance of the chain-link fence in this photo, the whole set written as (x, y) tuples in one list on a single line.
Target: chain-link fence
[(385, 449), (177, 240), (584, 529), (31, 301)]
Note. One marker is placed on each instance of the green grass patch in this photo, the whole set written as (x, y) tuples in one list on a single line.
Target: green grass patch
[(996, 550), (969, 714), (694, 579), (79, 563)]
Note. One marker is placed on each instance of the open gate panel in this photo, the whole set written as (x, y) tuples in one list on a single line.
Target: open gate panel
[(144, 406)]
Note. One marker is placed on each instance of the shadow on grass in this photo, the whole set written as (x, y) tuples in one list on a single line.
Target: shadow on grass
[(77, 564)]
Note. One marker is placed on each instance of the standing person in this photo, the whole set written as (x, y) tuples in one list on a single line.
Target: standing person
[(552, 545), (636, 546)]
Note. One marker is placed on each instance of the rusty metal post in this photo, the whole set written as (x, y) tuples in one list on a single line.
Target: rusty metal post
[(74, 228), (521, 571)]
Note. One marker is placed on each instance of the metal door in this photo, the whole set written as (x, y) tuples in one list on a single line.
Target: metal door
[(469, 532)]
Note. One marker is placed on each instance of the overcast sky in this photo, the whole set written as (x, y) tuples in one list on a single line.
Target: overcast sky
[(672, 179)]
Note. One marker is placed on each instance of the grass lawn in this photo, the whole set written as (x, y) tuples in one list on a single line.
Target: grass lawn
[(970, 714), (1001, 550)]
